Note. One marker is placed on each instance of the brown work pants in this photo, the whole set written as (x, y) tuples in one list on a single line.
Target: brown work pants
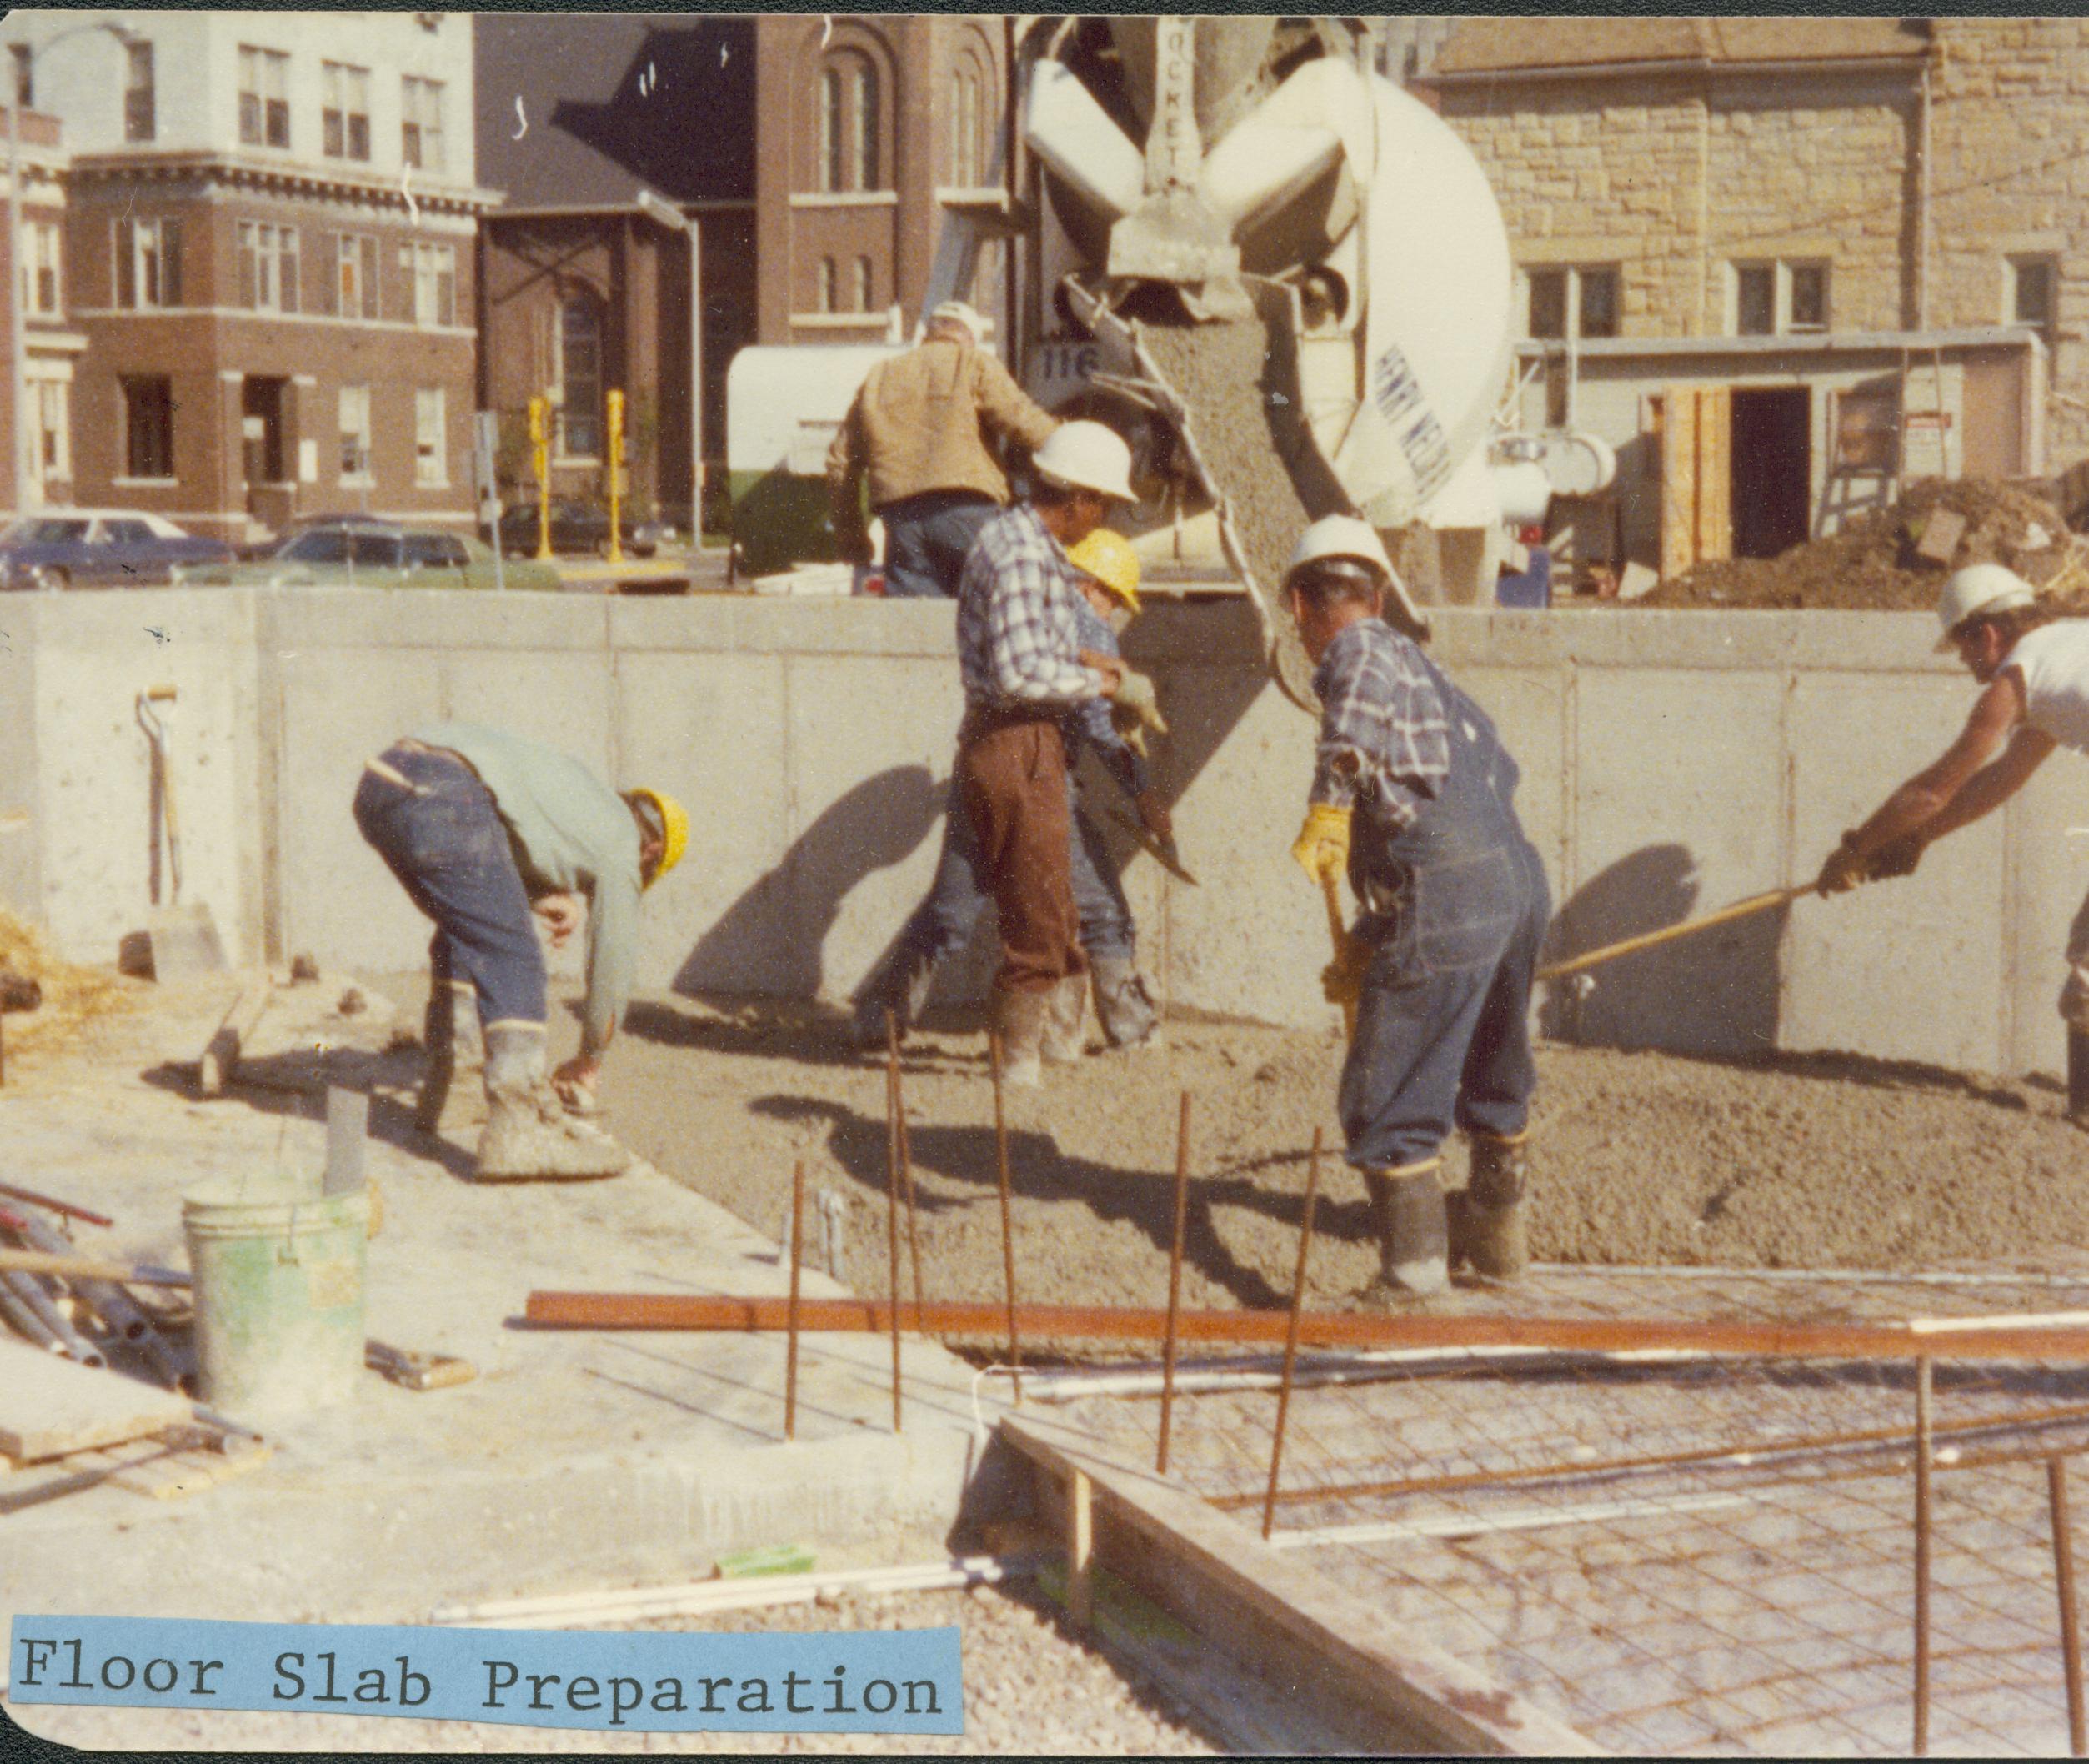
[(1012, 777)]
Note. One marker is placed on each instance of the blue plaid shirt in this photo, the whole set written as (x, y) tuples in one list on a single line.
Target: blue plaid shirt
[(1384, 738), (1018, 631)]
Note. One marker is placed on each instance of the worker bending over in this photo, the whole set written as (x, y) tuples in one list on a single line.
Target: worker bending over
[(923, 428), (1413, 792), (483, 828), (2033, 664), (1023, 668), (1108, 575)]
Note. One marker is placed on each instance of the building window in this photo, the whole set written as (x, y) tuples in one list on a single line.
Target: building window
[(421, 144), (264, 96), (355, 276), (1771, 299), (25, 91), (355, 434), (1809, 298), (149, 426), (40, 269), (268, 266), (1755, 300), (344, 113), (432, 271), (826, 284), (140, 115), (863, 285), (2033, 285), (966, 159), (848, 125), (1579, 302), (431, 438), (580, 380), (54, 431), (149, 263)]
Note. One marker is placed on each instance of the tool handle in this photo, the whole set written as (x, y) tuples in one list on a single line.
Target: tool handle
[(1740, 910), (1338, 935)]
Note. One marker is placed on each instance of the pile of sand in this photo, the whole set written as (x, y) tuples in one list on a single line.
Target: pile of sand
[(1874, 562), (73, 995)]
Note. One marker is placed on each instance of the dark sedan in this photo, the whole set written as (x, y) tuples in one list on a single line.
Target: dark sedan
[(578, 527), (69, 548)]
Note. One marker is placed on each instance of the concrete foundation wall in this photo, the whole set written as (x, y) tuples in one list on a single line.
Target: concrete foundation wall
[(1672, 763)]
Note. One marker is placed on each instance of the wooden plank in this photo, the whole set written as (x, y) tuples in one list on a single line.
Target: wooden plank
[(221, 1055), (1714, 473), (89, 1268), (1307, 1631), (151, 1467), (50, 1406), (1678, 454)]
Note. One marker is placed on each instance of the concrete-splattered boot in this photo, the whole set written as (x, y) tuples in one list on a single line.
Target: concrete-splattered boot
[(1414, 1241), (1486, 1218), (2078, 1077), (450, 1030), (1065, 1037), (530, 1136), (1019, 1019), (1123, 1005)]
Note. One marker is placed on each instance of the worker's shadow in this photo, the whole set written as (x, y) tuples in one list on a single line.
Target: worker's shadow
[(1144, 1199), (1715, 992), (771, 940)]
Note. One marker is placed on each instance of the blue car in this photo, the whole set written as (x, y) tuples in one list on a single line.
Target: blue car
[(98, 548)]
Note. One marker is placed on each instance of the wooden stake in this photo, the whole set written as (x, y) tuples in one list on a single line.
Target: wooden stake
[(1080, 1550), (1338, 935), (2063, 1557), (797, 1253), (1007, 1219), (1292, 1338), (892, 1230), (906, 1160), (1923, 1423), (1175, 1286)]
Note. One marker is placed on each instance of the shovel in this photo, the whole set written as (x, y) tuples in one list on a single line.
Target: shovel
[(184, 939)]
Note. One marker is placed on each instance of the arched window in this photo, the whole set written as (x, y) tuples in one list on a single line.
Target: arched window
[(848, 124), (966, 169), (865, 82), (863, 285), (580, 377), (826, 284), (832, 129)]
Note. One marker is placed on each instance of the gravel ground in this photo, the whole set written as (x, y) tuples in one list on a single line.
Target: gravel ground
[(1029, 1687)]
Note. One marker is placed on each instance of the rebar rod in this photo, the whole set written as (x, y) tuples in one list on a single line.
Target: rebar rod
[(1291, 1336), (55, 1205), (906, 1159), (1008, 1217), (797, 1254), (892, 1230), (1174, 1285), (2063, 1557), (1925, 1421)]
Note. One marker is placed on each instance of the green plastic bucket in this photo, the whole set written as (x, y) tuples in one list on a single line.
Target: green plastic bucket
[(277, 1273)]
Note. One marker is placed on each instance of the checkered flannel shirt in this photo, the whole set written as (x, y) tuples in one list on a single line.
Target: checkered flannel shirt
[(1018, 632), (1385, 737)]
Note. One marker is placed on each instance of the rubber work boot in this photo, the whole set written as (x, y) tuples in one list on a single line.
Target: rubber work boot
[(1414, 1238), (1066, 1038), (1486, 1220), (1123, 1005), (2078, 1077), (529, 1137), (1019, 1019), (450, 1030)]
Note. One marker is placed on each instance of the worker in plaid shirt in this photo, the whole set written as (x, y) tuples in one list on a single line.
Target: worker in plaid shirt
[(1024, 670), (1414, 795)]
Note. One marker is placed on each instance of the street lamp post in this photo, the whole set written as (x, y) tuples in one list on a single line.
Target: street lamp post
[(672, 217)]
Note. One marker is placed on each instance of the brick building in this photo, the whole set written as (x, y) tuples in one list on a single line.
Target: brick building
[(266, 260), (41, 446), (1862, 245)]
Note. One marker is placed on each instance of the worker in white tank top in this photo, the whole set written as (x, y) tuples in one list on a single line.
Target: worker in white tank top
[(2034, 667)]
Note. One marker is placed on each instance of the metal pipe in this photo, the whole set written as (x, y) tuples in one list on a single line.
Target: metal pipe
[(2063, 1557), (892, 1228), (1174, 1285), (54, 1204), (1756, 1341), (1925, 1422), (790, 1348), (26, 1322), (1291, 1336), (76, 1346), (906, 1157), (119, 1314), (1007, 1219)]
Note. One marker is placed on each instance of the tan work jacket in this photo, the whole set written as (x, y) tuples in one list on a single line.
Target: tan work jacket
[(923, 421)]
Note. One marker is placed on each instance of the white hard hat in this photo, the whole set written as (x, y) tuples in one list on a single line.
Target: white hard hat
[(1347, 536), (1979, 587), (958, 312), (1088, 456)]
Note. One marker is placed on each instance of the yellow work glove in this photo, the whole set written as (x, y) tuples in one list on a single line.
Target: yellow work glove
[(1133, 697), (1321, 849)]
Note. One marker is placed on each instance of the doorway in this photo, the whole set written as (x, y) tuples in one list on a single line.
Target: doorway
[(261, 401), (1772, 469)]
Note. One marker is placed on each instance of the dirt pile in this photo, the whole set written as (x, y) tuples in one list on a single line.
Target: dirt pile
[(1873, 564), (73, 995)]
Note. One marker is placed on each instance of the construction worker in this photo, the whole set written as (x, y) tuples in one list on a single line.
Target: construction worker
[(1413, 793), (2032, 663), (484, 829), (922, 429), (1108, 570), (1021, 658)]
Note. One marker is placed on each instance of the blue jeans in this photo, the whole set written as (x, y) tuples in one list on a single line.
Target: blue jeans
[(1443, 1036), (445, 841), (926, 539)]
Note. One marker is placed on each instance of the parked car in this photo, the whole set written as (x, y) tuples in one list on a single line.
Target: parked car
[(78, 548), (357, 554), (298, 524), (578, 527)]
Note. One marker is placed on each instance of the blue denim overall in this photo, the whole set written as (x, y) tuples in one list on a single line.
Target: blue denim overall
[(1455, 906)]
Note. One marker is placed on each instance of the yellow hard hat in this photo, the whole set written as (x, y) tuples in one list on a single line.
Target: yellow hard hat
[(1109, 558), (674, 830)]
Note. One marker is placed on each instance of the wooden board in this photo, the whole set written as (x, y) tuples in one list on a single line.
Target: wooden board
[(161, 1467), (49, 1406)]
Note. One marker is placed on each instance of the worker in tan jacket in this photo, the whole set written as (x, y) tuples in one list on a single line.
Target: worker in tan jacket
[(923, 430)]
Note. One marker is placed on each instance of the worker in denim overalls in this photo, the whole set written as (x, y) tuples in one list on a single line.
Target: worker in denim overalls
[(1455, 905)]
